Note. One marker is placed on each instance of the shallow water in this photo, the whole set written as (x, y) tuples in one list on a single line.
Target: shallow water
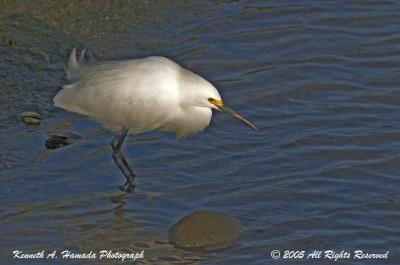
[(319, 78)]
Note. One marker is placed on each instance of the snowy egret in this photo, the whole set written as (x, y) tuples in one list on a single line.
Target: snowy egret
[(139, 95)]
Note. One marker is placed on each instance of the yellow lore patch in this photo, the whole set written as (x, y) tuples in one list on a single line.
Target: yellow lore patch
[(216, 102)]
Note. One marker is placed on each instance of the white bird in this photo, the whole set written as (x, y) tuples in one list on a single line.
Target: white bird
[(139, 95)]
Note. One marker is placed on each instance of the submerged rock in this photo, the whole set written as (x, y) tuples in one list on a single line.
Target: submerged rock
[(30, 117), (60, 139), (206, 230)]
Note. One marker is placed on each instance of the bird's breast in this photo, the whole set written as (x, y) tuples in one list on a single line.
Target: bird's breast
[(189, 121)]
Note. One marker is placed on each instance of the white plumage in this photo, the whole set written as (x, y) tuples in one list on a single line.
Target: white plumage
[(140, 95)]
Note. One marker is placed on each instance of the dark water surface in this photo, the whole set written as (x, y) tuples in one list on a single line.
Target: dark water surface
[(319, 78)]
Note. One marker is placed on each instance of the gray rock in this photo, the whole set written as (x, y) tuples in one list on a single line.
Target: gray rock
[(206, 230), (30, 117), (60, 139)]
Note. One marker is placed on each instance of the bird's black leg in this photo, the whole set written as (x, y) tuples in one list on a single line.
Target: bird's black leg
[(121, 162)]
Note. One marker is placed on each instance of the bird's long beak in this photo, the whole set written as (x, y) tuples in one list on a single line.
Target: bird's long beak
[(234, 115)]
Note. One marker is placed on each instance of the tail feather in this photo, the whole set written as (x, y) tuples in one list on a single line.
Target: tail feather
[(82, 56), (72, 65), (76, 67)]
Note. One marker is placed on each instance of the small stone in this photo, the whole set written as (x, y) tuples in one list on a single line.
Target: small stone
[(206, 230), (30, 117), (60, 139)]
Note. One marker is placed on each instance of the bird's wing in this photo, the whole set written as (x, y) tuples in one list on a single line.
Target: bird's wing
[(139, 94)]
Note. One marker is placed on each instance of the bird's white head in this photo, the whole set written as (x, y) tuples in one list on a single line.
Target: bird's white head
[(202, 93), (197, 91)]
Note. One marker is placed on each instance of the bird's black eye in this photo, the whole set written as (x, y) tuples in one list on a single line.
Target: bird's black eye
[(210, 100)]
